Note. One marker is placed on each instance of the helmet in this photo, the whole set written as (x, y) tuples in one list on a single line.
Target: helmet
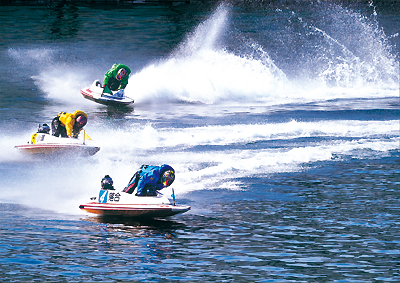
[(107, 183), (168, 178), (81, 120), (122, 73), (44, 129)]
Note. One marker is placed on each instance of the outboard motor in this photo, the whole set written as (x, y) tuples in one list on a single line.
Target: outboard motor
[(44, 129)]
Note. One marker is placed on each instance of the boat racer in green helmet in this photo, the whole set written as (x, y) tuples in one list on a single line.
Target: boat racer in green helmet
[(116, 78)]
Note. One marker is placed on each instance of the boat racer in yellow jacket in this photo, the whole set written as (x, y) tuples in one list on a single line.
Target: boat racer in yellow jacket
[(69, 124), (116, 78)]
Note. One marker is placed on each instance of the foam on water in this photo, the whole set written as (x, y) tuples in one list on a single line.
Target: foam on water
[(124, 150)]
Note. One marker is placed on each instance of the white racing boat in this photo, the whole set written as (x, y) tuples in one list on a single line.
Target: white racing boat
[(43, 142), (95, 93), (111, 202)]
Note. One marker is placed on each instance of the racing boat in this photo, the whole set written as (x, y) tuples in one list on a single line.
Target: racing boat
[(43, 142), (95, 93), (110, 202)]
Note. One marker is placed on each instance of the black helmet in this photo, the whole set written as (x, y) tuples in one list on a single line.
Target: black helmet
[(107, 183), (43, 129)]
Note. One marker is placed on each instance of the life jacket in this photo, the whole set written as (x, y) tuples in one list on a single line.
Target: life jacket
[(68, 121)]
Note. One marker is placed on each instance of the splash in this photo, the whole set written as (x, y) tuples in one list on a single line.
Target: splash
[(331, 54), (206, 35), (370, 63), (202, 70), (337, 53)]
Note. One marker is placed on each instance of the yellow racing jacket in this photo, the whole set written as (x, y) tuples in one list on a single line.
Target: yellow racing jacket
[(68, 120)]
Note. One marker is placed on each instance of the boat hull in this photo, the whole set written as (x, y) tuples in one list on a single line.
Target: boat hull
[(111, 202), (58, 149), (44, 144), (95, 93), (134, 210)]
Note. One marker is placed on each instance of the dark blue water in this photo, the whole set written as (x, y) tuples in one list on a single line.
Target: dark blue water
[(281, 120)]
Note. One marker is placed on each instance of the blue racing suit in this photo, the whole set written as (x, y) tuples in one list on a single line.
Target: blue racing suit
[(147, 180)]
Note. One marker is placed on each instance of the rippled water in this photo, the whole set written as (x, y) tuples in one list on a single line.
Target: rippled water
[(281, 120), (307, 227)]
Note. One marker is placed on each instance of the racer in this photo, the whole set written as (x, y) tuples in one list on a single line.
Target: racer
[(69, 124), (150, 179), (116, 78)]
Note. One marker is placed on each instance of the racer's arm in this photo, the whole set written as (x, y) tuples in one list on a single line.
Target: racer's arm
[(107, 76), (75, 133), (68, 122), (124, 82), (140, 186)]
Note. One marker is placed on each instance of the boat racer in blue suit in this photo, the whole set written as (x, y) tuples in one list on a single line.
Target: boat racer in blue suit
[(150, 179)]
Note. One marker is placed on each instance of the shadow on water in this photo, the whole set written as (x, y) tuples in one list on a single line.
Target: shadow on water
[(119, 112), (135, 229), (113, 112), (137, 222)]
